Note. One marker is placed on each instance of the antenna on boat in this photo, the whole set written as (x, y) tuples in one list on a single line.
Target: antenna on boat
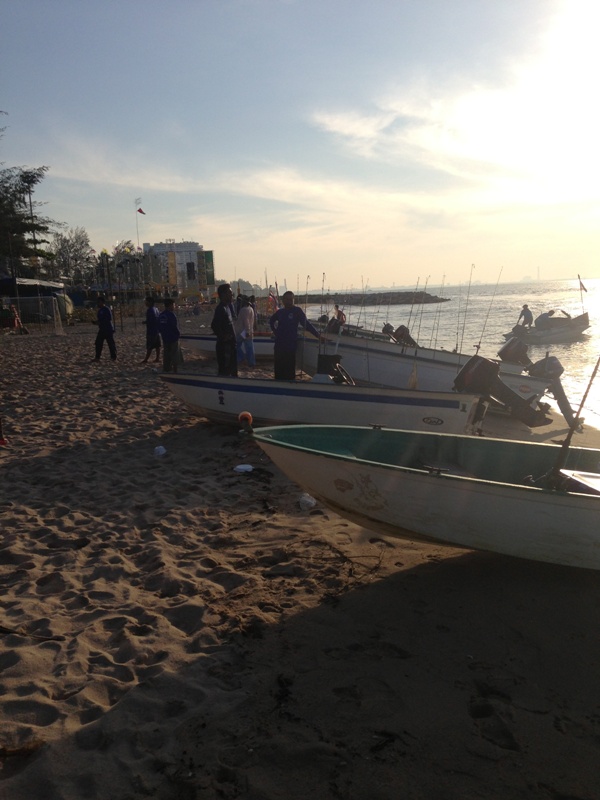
[(554, 476), (478, 345)]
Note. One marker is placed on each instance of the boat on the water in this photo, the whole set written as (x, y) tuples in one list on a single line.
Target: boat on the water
[(520, 387), (552, 330), (322, 400), (204, 344), (531, 500)]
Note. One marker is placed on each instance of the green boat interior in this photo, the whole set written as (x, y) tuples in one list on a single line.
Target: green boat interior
[(496, 460)]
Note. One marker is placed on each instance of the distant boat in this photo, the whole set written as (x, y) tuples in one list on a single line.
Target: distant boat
[(552, 330), (321, 400), (462, 491)]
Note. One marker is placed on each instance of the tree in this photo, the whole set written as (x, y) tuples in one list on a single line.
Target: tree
[(72, 255), (23, 231)]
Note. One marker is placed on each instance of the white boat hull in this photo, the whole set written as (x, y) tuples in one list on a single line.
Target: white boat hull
[(391, 364), (457, 510), (204, 344), (270, 402)]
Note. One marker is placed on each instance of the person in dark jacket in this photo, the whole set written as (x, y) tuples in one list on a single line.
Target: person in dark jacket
[(169, 333), (223, 328), (152, 334), (106, 331), (284, 324)]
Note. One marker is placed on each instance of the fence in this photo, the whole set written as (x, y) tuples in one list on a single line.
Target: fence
[(35, 314)]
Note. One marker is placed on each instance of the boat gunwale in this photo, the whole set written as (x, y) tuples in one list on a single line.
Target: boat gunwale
[(262, 435)]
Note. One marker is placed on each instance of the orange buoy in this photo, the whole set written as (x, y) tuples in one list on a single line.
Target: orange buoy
[(245, 418)]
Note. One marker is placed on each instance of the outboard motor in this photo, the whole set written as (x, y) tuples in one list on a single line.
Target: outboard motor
[(514, 351), (481, 375), (551, 369), (402, 335)]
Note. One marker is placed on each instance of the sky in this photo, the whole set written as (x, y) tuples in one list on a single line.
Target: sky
[(337, 144)]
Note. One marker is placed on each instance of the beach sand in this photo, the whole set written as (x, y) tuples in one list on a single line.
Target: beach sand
[(172, 628)]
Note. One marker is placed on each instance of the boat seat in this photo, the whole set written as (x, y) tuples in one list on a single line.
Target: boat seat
[(585, 482), (441, 468)]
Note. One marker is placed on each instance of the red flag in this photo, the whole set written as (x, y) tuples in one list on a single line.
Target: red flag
[(141, 212), (581, 286)]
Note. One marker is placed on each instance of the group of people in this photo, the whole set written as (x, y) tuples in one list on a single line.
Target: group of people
[(233, 325), (161, 329), (540, 322), (235, 329)]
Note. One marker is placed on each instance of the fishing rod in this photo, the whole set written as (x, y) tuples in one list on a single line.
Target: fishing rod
[(323, 310), (436, 321), (466, 308), (554, 476), (424, 292), (478, 346), (362, 305), (458, 315), (416, 289)]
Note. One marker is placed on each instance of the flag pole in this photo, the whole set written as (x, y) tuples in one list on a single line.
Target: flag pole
[(137, 203), (582, 289)]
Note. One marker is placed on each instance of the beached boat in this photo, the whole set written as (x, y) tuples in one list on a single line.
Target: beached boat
[(534, 501), (552, 330), (392, 363), (321, 400), (203, 344)]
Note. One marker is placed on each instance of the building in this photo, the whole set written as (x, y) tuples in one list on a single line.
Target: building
[(179, 262)]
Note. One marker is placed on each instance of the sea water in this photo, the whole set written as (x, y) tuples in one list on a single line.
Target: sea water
[(475, 318)]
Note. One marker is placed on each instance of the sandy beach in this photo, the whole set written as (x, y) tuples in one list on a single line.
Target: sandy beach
[(172, 628)]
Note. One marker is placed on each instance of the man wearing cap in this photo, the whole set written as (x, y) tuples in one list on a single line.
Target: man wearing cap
[(527, 317)]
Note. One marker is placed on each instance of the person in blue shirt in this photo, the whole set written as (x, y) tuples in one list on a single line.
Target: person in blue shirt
[(223, 328), (152, 334), (169, 333), (106, 331), (284, 324)]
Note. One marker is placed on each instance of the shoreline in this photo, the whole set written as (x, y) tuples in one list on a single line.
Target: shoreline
[(175, 629)]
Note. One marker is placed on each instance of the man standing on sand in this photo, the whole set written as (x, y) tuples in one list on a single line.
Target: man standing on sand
[(223, 328), (152, 334), (284, 324), (169, 332), (106, 331)]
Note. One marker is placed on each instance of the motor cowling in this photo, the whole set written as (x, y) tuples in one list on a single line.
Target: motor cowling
[(548, 367), (481, 376), (477, 375), (514, 351)]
